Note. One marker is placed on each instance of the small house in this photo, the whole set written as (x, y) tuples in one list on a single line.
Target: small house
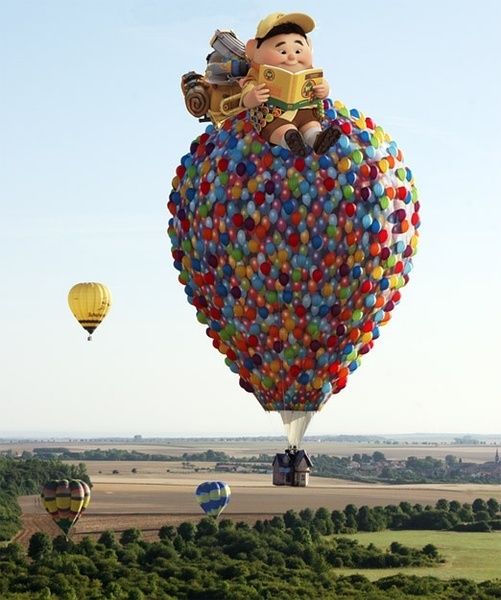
[(292, 467)]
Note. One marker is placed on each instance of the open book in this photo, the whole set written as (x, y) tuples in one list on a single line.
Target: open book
[(289, 91)]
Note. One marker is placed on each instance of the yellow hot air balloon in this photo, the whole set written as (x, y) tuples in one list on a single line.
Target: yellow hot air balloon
[(89, 303)]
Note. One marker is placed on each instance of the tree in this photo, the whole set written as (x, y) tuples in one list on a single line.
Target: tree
[(14, 552), (61, 584), (493, 507), (108, 539), (431, 550), (87, 546), (351, 512), (277, 522), (292, 519), (450, 460), (398, 548), (226, 524), (406, 507), (482, 515), (306, 515), (130, 536), (442, 504), (379, 521), (479, 505), (40, 545), (187, 531), (167, 532), (338, 520), (465, 514), (351, 523), (206, 527), (323, 522), (302, 535), (387, 472), (365, 521), (62, 544)]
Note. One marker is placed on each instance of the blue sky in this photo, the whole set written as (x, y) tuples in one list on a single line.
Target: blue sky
[(93, 125)]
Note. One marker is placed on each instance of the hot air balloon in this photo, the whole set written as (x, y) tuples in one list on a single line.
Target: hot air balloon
[(213, 497), (294, 264), (89, 303), (65, 500)]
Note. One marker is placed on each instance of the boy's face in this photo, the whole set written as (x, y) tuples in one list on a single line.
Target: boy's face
[(288, 51)]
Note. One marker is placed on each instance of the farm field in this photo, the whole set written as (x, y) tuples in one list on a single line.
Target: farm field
[(474, 556), (153, 497), (174, 493)]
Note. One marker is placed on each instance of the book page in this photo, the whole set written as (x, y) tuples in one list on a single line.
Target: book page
[(289, 90)]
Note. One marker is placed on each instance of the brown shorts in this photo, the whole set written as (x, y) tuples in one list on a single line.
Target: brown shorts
[(303, 117)]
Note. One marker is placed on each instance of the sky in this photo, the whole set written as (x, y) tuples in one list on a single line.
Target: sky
[(93, 126)]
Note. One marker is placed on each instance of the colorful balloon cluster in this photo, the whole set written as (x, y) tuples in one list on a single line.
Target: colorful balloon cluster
[(213, 497), (65, 500), (294, 264)]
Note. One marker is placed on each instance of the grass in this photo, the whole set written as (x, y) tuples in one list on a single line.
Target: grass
[(475, 556)]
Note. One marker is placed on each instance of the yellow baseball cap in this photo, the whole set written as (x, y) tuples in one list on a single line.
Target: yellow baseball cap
[(306, 23)]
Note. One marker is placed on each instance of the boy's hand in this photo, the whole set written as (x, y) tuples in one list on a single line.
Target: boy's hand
[(256, 96), (321, 90)]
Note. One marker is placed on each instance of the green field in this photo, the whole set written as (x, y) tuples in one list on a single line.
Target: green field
[(475, 556)]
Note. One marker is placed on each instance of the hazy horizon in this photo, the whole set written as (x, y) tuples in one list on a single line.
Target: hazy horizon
[(54, 435)]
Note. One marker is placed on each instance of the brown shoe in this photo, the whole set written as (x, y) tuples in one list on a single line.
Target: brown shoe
[(296, 144), (326, 139)]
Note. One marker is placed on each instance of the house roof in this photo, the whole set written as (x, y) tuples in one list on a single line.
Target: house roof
[(286, 459)]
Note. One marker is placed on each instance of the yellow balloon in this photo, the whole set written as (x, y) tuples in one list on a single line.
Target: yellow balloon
[(89, 303)]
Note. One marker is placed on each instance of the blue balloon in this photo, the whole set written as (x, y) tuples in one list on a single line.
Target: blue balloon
[(213, 497)]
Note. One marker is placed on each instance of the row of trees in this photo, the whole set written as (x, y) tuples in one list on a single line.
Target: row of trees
[(98, 454), (276, 559), (481, 515), (20, 477), (373, 467), (114, 454)]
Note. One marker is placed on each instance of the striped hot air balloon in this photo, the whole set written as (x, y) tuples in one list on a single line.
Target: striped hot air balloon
[(213, 497), (65, 500)]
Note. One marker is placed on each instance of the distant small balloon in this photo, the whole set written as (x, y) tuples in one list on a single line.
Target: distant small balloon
[(213, 497), (89, 303)]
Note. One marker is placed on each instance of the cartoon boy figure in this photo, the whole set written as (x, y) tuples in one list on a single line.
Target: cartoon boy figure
[(281, 41)]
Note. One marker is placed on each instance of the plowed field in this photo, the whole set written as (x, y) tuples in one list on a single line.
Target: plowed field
[(152, 498)]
